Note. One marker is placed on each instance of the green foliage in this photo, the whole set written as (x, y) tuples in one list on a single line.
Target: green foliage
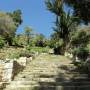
[(20, 40), (82, 53), (39, 40), (80, 43), (80, 38), (7, 27), (65, 22), (81, 9), (14, 53), (2, 42), (16, 16), (28, 34), (88, 46), (9, 23), (56, 43), (54, 6), (59, 43), (25, 53), (38, 49)]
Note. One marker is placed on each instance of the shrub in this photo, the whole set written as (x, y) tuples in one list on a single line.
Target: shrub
[(58, 47), (38, 49), (2, 42), (25, 53), (82, 53), (13, 54), (80, 38)]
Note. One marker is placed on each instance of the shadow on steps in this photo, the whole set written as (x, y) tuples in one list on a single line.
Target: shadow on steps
[(78, 81)]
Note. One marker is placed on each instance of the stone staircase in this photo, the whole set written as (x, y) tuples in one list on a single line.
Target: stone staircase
[(50, 72)]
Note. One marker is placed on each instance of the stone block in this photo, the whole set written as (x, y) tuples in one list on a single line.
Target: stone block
[(8, 71), (22, 61), (1, 72)]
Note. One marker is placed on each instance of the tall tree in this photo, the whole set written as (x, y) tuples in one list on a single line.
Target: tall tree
[(16, 16), (40, 40), (28, 33), (64, 21), (81, 9), (7, 27)]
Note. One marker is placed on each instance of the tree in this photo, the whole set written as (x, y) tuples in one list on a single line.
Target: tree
[(81, 9), (2, 42), (81, 37), (64, 21), (16, 16), (39, 40), (7, 27), (28, 33), (20, 40)]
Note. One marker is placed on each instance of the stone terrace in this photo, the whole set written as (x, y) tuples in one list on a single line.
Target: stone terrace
[(50, 72)]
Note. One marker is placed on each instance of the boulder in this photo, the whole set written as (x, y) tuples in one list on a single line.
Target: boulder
[(8, 71), (67, 54), (22, 61)]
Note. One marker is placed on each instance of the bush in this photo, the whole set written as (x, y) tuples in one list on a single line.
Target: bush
[(2, 42), (82, 53), (80, 38), (25, 53), (13, 55), (58, 47), (38, 49)]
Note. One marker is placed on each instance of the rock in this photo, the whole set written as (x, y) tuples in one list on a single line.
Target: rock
[(8, 71), (51, 51), (29, 59), (77, 59), (70, 55), (87, 63), (1, 72), (22, 61)]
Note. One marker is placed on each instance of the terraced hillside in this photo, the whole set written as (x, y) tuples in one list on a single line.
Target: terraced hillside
[(50, 72)]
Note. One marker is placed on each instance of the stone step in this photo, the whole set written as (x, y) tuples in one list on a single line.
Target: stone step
[(22, 87), (65, 83), (58, 81), (39, 73), (38, 69), (48, 71), (23, 83), (38, 79), (45, 87)]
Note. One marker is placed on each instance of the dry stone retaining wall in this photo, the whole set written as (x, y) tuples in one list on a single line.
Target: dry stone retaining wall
[(10, 68)]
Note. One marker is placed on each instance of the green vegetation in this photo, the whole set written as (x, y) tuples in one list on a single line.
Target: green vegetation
[(9, 23), (2, 42), (7, 27), (28, 34), (38, 49), (68, 36), (81, 9)]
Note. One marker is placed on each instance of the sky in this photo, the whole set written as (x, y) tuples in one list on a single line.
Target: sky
[(34, 14)]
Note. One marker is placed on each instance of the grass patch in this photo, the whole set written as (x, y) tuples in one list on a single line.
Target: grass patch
[(39, 49)]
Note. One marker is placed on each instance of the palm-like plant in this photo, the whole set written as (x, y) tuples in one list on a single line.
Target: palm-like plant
[(64, 21), (54, 6), (28, 33)]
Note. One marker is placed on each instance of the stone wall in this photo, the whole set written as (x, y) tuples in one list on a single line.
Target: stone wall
[(10, 68), (8, 71), (1, 71)]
